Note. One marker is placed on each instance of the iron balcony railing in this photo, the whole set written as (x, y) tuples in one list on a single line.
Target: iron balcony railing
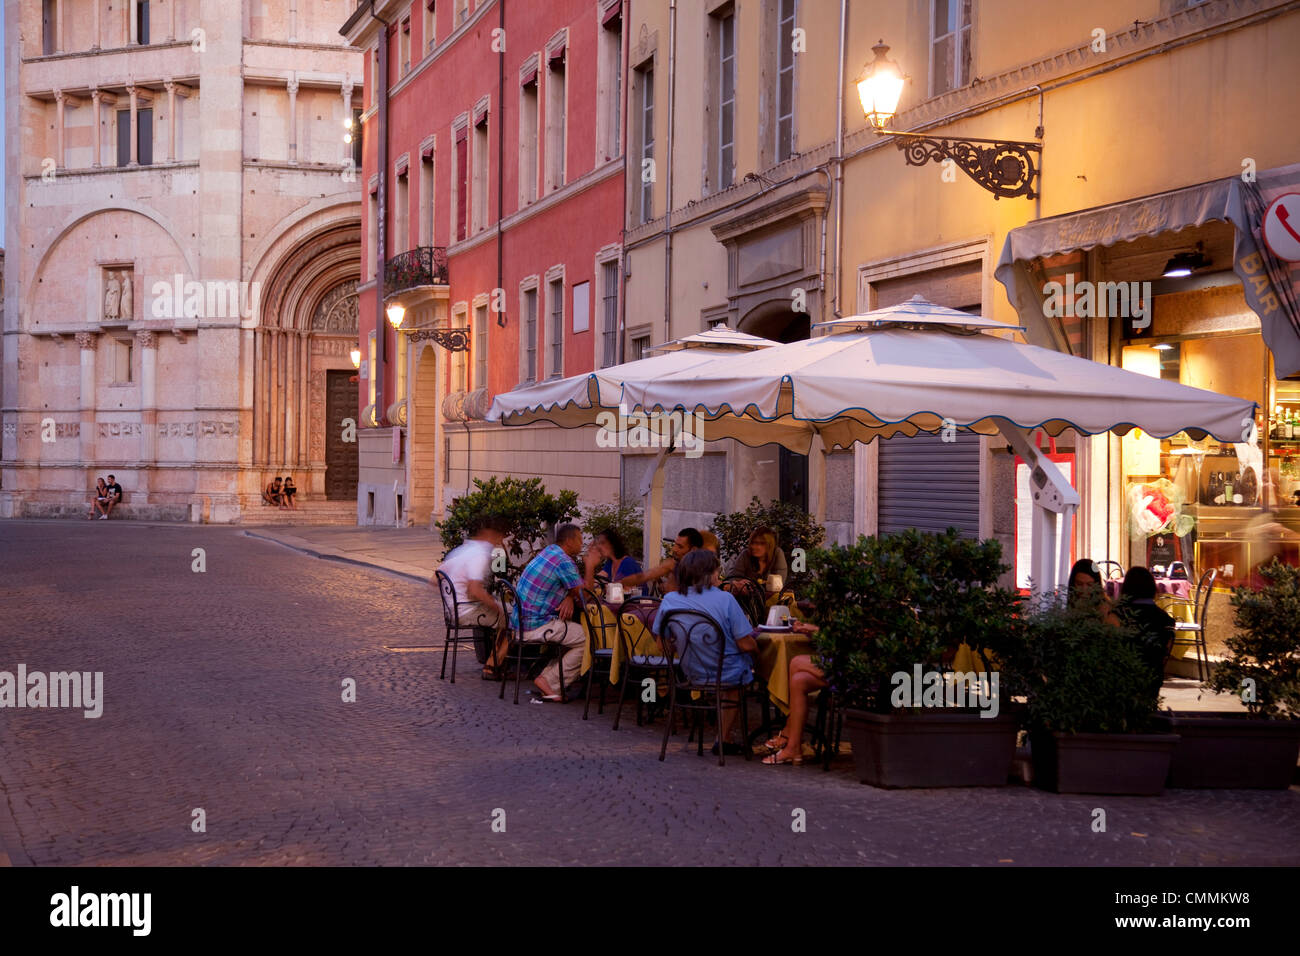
[(424, 265)]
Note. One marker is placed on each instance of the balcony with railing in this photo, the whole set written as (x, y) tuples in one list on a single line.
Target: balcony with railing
[(417, 268)]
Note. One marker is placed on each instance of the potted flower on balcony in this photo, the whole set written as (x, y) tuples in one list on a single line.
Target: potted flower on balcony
[(892, 610), (1092, 701), (1258, 747)]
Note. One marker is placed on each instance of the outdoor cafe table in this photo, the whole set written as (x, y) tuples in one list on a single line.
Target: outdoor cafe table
[(637, 622), (775, 651), (1178, 587)]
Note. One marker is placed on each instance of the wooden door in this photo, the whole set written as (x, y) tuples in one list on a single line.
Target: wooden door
[(340, 455)]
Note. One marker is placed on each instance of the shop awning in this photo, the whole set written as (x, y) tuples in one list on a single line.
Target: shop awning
[(1272, 286)]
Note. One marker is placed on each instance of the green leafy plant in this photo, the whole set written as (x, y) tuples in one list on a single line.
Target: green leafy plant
[(1264, 669), (524, 507), (1084, 675), (794, 528), (889, 603), (625, 517)]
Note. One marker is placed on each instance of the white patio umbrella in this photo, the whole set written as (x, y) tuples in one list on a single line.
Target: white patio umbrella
[(597, 398), (920, 367)]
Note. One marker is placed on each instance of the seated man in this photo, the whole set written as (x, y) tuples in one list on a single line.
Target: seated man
[(688, 540), (548, 595), (272, 493), (469, 565), (114, 492)]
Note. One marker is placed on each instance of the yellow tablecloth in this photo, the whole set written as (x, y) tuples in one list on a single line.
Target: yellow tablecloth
[(966, 660), (774, 654), (643, 642)]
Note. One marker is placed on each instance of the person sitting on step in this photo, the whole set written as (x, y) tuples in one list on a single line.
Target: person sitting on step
[(273, 492), (289, 490)]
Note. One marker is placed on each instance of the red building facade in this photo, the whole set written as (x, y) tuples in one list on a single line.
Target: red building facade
[(499, 151)]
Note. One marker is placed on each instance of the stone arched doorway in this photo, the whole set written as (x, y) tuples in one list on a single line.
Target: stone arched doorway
[(425, 480), (305, 388)]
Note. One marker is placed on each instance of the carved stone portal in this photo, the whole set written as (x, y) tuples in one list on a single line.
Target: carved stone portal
[(337, 311)]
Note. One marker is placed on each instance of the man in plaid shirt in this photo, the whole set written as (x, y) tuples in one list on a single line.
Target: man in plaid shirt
[(548, 595)]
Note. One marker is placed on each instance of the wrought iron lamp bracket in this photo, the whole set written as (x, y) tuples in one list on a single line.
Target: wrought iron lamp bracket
[(453, 340), (1006, 168)]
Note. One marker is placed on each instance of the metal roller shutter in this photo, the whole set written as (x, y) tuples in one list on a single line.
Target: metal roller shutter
[(929, 484)]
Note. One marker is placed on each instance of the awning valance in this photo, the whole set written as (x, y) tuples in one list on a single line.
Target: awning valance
[(1270, 285)]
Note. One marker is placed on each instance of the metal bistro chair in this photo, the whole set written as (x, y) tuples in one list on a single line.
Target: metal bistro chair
[(1110, 570), (698, 644), (750, 597), (642, 665), (602, 632), (522, 652), (451, 619), (1192, 633)]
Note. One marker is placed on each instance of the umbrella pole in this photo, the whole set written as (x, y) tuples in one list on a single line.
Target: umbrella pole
[(1053, 495), (652, 490)]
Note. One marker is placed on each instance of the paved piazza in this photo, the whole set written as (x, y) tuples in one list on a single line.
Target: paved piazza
[(222, 690)]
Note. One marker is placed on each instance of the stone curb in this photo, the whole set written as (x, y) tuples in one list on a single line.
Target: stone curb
[(328, 554)]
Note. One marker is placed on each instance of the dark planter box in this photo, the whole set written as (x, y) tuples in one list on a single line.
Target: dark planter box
[(934, 749), (1232, 750), (1130, 764)]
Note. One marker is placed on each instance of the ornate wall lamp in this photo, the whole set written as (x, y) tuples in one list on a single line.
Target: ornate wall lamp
[(1006, 168)]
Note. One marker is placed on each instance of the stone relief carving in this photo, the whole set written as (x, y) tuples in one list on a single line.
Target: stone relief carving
[(176, 430), (332, 347), (214, 429), (337, 311), (87, 340), (146, 339), (316, 401), (120, 429), (119, 296)]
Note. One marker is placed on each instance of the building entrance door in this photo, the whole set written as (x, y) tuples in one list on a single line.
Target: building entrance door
[(340, 455)]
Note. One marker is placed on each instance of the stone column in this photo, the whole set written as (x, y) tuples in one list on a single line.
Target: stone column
[(304, 404), (59, 100), (86, 342), (293, 117), (134, 136), (291, 341), (147, 343), (94, 28), (171, 21), (347, 116), (58, 27), (171, 115), (274, 391), (96, 136)]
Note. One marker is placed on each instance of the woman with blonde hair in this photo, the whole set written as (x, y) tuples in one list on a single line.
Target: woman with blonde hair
[(760, 559)]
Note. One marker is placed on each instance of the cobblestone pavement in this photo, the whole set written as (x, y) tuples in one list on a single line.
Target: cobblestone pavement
[(222, 691)]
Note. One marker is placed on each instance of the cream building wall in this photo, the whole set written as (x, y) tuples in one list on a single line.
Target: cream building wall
[(246, 187), (1185, 95)]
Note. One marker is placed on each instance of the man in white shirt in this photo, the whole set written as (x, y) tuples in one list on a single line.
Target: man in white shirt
[(469, 566)]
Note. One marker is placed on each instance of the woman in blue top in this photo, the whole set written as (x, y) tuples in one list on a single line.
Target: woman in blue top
[(618, 564), (698, 576)]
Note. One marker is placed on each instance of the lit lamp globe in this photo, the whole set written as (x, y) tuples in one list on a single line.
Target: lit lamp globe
[(879, 88), (395, 314), (356, 358)]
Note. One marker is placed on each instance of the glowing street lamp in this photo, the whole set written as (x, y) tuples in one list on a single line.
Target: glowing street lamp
[(356, 358), (1004, 167), (879, 88), (395, 314)]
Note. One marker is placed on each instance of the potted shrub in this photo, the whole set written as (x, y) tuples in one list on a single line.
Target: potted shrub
[(794, 528), (524, 504), (892, 609), (1258, 747), (1092, 701)]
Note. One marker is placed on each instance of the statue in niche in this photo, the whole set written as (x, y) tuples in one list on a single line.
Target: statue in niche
[(128, 296), (112, 297)]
